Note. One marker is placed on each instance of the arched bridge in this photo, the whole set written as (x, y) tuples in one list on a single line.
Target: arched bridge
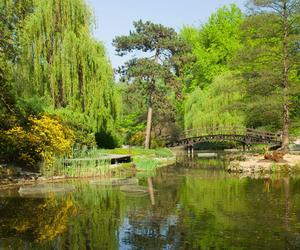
[(245, 136)]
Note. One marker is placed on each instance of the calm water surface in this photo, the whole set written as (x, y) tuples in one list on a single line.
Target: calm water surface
[(192, 208)]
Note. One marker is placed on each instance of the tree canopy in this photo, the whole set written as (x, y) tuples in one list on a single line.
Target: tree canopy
[(54, 76), (217, 105), (214, 45), (159, 69), (63, 64), (270, 63), (261, 48)]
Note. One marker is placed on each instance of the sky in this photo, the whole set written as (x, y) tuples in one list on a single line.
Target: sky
[(115, 17)]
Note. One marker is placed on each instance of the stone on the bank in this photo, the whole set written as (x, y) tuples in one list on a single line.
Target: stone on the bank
[(44, 190), (115, 182), (134, 189), (207, 155)]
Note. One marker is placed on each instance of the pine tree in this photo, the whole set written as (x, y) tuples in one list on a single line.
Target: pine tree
[(165, 52)]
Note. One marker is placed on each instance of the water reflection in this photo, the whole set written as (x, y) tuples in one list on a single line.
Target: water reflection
[(188, 208)]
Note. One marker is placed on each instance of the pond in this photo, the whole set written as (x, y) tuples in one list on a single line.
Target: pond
[(191, 207)]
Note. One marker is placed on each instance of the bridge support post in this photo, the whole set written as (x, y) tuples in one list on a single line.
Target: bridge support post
[(190, 151)]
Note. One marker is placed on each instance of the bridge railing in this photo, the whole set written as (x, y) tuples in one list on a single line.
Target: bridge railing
[(234, 130)]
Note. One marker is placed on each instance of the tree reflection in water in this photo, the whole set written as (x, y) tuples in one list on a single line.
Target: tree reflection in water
[(193, 209)]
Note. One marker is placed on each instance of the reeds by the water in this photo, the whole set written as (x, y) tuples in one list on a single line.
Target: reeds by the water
[(73, 168), (95, 162), (81, 163)]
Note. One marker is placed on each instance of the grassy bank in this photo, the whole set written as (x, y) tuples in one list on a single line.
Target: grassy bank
[(143, 160)]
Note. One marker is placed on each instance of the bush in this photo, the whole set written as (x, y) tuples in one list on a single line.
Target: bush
[(78, 122), (83, 139), (105, 139), (137, 139), (43, 139), (157, 142)]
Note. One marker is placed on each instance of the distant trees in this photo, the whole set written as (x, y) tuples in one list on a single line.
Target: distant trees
[(263, 48), (217, 105), (213, 90), (237, 69), (214, 45), (158, 70)]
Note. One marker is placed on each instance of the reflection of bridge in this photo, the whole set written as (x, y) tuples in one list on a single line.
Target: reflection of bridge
[(245, 136)]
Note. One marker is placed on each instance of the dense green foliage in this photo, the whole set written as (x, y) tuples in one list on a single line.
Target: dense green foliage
[(261, 49), (214, 90), (63, 64), (237, 69), (213, 45), (12, 13), (269, 61), (51, 65), (157, 73), (216, 105)]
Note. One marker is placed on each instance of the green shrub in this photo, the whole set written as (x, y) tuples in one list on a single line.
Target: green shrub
[(105, 139)]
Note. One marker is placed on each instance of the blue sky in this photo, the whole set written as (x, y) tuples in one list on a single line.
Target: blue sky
[(115, 17)]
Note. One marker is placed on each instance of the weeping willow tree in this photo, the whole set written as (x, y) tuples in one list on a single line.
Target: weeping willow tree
[(64, 65), (217, 105)]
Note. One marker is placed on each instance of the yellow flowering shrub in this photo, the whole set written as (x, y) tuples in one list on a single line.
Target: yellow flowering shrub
[(45, 138), (51, 137), (137, 139)]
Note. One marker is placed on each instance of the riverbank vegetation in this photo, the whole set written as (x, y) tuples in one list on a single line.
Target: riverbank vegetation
[(58, 93)]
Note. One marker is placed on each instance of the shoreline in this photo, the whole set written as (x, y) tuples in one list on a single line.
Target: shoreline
[(125, 169), (242, 165), (255, 163)]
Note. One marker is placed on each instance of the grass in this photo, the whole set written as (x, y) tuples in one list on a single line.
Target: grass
[(273, 168), (145, 163), (87, 153), (77, 169), (138, 151), (145, 160)]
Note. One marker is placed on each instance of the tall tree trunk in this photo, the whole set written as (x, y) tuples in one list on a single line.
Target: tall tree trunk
[(149, 116), (285, 134), (149, 126)]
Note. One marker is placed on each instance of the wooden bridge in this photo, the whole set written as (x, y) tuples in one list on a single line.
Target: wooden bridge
[(245, 136)]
